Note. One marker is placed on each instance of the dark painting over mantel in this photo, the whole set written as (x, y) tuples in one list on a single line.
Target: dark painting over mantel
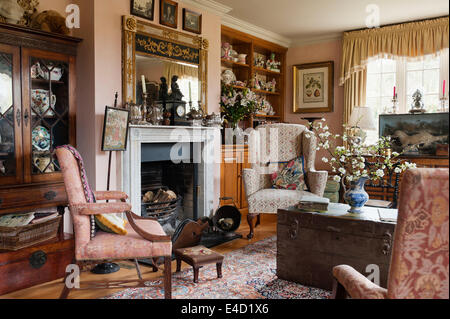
[(416, 134)]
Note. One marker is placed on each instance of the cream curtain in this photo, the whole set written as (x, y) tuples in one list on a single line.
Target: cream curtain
[(409, 40), (171, 69)]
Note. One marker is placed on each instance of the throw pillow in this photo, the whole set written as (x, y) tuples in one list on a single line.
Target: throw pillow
[(291, 175), (111, 223)]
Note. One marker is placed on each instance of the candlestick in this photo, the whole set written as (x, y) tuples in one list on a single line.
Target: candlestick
[(395, 95), (443, 89), (444, 107), (394, 104), (190, 92), (144, 87)]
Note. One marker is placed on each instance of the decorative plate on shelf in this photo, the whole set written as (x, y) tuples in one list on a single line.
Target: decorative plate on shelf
[(41, 139)]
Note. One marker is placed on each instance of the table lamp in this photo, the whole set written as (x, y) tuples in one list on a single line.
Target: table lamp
[(361, 120)]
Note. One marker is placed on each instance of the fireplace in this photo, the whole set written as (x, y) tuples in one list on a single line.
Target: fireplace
[(180, 159)]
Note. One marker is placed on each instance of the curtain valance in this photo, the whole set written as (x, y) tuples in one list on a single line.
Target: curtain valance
[(408, 40)]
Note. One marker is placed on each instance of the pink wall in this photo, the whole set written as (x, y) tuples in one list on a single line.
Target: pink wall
[(100, 75), (329, 51)]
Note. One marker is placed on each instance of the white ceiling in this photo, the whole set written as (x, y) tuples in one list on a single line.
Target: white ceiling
[(303, 21)]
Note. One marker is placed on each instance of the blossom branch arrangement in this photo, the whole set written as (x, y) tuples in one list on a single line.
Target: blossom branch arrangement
[(237, 105), (357, 161)]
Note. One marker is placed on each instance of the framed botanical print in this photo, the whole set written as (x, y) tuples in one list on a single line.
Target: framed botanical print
[(168, 14), (143, 8), (192, 21), (115, 129), (314, 87)]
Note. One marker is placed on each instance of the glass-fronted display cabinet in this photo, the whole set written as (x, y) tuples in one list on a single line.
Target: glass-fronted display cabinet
[(36, 113)]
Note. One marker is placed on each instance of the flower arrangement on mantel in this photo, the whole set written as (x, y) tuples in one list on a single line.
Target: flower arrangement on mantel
[(350, 163), (237, 105)]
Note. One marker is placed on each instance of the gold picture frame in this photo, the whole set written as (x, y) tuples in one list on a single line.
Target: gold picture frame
[(313, 86), (133, 29)]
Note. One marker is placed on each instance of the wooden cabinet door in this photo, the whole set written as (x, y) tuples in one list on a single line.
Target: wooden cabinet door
[(229, 177), (11, 164), (48, 96)]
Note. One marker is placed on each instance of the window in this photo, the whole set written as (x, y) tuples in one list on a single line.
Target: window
[(383, 74)]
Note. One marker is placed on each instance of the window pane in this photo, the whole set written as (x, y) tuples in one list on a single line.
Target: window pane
[(432, 102), (431, 63), (373, 85), (387, 84), (413, 66), (431, 81), (388, 66), (413, 81), (374, 67)]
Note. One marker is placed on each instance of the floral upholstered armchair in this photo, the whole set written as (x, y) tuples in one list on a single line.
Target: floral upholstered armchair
[(272, 144), (419, 264)]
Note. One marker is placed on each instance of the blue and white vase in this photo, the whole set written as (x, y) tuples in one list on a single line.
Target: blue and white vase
[(357, 196)]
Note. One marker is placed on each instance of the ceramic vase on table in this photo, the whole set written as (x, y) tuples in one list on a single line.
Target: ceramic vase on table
[(356, 196)]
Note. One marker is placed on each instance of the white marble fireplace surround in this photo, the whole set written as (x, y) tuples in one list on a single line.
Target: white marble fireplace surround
[(203, 137)]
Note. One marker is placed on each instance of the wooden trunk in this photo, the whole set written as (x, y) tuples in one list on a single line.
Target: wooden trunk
[(35, 265), (309, 245)]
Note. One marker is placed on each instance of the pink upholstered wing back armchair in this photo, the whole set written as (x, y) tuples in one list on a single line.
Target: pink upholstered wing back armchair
[(276, 143), (145, 238), (420, 257)]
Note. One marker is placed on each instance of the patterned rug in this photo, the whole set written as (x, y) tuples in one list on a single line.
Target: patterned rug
[(248, 273)]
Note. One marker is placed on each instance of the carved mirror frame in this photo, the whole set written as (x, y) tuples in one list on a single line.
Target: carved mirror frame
[(133, 27)]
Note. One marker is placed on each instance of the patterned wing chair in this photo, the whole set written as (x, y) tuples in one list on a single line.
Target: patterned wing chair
[(276, 143), (420, 258)]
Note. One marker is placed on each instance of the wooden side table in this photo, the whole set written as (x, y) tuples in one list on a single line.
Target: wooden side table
[(310, 244), (197, 257)]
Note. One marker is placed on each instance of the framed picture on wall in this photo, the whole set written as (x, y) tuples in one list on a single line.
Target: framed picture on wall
[(313, 87), (143, 8), (115, 129), (192, 21), (168, 14)]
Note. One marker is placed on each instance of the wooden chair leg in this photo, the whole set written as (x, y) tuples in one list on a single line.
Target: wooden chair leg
[(258, 221), (178, 264), (339, 291), (250, 218), (219, 270), (168, 277)]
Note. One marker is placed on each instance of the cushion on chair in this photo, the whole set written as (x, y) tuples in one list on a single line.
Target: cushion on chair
[(111, 246), (270, 200), (290, 175), (111, 223)]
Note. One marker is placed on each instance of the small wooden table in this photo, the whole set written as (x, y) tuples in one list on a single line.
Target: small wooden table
[(310, 244), (197, 257)]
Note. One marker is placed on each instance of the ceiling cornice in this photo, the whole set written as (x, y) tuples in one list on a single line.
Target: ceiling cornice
[(209, 5), (238, 24)]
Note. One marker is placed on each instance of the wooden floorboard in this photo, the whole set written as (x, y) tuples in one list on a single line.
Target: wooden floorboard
[(53, 289)]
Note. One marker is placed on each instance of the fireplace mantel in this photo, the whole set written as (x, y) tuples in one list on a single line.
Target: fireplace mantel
[(203, 137)]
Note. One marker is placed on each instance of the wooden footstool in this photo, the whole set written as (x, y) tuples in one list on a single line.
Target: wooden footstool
[(197, 257)]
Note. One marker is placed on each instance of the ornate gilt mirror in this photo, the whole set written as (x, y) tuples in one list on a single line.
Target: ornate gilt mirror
[(153, 51)]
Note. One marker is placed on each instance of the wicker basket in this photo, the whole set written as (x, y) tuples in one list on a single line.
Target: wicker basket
[(15, 238)]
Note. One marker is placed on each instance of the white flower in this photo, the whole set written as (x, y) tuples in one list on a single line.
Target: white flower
[(345, 138), (342, 170), (323, 119), (395, 154), (362, 165), (379, 173), (337, 179), (307, 135), (326, 145), (326, 127), (333, 160), (342, 159), (340, 148), (325, 160), (397, 170), (349, 178)]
